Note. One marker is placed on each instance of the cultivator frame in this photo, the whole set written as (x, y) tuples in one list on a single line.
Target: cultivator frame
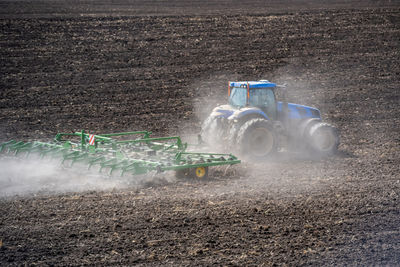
[(128, 156)]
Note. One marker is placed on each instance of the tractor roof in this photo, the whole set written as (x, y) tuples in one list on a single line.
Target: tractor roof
[(253, 84)]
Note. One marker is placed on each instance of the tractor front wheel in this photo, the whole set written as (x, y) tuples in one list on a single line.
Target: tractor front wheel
[(257, 139), (323, 139)]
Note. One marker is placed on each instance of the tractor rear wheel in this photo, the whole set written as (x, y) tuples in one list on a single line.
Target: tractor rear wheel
[(257, 139), (323, 139), (233, 134)]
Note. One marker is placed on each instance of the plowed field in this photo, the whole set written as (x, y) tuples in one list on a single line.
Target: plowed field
[(162, 66)]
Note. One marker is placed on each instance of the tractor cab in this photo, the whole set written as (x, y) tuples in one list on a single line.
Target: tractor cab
[(260, 94)]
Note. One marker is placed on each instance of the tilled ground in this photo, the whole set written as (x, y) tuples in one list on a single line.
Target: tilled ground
[(63, 69)]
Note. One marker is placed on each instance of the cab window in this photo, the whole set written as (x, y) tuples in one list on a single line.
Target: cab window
[(264, 99)]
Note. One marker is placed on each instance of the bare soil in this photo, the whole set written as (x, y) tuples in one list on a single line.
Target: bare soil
[(161, 66)]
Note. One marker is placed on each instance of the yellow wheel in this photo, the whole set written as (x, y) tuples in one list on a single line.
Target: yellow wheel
[(201, 172)]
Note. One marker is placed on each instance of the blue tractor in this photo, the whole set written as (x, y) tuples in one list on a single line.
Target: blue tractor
[(256, 125)]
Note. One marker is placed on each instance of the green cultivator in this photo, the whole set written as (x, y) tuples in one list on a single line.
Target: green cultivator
[(115, 153)]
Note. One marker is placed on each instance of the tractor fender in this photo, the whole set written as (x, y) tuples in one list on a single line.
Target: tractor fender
[(245, 112), (223, 111)]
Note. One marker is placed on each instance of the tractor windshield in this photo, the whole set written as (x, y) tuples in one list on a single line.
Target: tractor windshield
[(238, 97)]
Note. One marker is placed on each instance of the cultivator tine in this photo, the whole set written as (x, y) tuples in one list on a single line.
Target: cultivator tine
[(6, 145), (168, 147), (49, 151), (78, 157), (35, 148), (70, 156), (135, 167), (117, 165), (95, 160), (129, 167), (16, 148), (107, 163)]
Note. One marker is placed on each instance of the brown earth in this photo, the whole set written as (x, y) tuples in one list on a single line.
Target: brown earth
[(143, 65)]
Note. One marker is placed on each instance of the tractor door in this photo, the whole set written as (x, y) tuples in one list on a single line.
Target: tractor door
[(264, 98)]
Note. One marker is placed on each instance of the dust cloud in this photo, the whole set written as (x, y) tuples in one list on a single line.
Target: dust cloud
[(211, 92), (30, 177)]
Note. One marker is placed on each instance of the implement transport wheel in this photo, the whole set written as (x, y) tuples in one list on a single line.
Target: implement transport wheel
[(198, 173), (257, 139)]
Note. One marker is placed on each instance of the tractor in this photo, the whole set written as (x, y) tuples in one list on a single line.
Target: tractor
[(257, 126)]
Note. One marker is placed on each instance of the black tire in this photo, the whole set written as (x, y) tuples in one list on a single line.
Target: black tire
[(322, 139), (233, 134), (212, 131), (234, 128), (257, 139)]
